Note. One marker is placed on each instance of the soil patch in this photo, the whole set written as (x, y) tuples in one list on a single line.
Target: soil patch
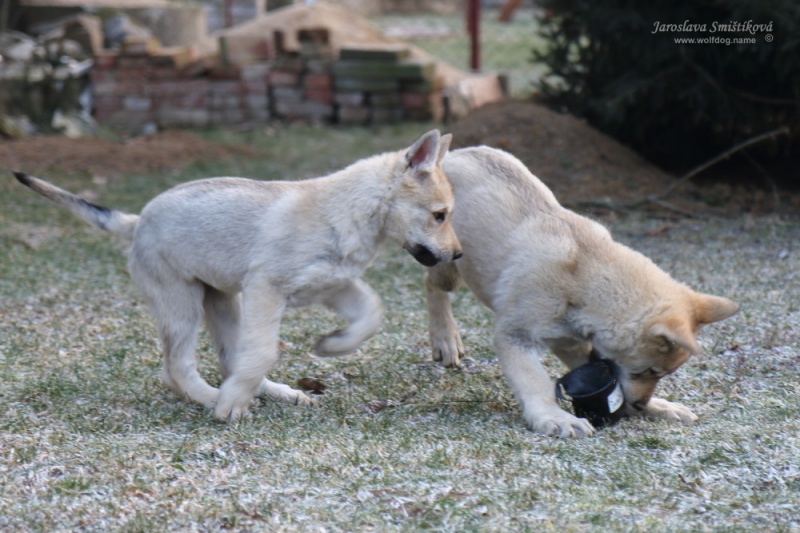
[(148, 153)]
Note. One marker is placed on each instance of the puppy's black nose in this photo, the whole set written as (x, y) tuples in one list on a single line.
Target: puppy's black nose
[(457, 254)]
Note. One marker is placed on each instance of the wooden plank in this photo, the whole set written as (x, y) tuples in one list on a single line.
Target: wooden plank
[(407, 70), (348, 84), (375, 52), (422, 86)]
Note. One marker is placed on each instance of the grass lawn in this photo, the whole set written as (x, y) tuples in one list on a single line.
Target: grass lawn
[(91, 441), (506, 48)]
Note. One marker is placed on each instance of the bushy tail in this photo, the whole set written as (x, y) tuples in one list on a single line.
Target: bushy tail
[(117, 222)]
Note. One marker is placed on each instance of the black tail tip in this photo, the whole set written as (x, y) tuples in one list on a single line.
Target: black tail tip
[(22, 177)]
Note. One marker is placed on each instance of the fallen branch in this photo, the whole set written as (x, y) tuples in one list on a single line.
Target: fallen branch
[(659, 198)]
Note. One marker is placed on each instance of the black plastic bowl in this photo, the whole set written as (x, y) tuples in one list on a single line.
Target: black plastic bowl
[(594, 393)]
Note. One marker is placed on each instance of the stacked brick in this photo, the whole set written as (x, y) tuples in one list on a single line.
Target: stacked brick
[(167, 89), (301, 87), (364, 85)]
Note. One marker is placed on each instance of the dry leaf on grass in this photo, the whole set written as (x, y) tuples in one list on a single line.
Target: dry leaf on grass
[(315, 386)]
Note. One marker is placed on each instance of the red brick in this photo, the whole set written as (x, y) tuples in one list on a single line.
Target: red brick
[(226, 116), (384, 99), (351, 99), (171, 116), (131, 62), (136, 103), (416, 100), (318, 81), (226, 87), (255, 72), (254, 86), (318, 65), (289, 63), (188, 93), (105, 60), (382, 115), (179, 87), (133, 87), (104, 88), (307, 109), (164, 73), (353, 114), (319, 95), (225, 72), (104, 75), (140, 74), (283, 78), (105, 106), (289, 94)]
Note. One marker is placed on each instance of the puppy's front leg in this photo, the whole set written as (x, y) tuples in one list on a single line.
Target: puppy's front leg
[(361, 306), (665, 410), (262, 307), (519, 357), (446, 342)]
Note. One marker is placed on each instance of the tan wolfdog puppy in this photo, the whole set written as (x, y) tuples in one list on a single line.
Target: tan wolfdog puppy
[(557, 281), (238, 252)]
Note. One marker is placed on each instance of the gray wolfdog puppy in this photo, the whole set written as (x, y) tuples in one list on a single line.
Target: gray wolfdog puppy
[(557, 281), (238, 252)]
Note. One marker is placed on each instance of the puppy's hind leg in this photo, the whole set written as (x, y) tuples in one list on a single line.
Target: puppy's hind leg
[(361, 306), (223, 318), (178, 310), (445, 340)]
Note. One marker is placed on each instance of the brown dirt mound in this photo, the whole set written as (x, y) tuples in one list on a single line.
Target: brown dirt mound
[(576, 161), (584, 167), (149, 153)]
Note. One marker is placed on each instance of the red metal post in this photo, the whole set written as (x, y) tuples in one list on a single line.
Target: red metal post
[(228, 13), (473, 28)]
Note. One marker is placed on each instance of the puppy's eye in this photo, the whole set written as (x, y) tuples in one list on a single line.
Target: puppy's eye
[(440, 216)]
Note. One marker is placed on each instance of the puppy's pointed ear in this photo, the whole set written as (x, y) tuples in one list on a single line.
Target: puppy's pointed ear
[(424, 153), (710, 308), (674, 332), (444, 146)]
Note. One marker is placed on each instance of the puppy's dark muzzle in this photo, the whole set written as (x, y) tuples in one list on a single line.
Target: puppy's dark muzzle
[(423, 255)]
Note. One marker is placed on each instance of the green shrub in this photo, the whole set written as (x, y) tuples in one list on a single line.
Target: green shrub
[(619, 64)]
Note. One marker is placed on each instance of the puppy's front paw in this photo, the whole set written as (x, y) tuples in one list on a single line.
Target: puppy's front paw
[(555, 422), (284, 393), (447, 347), (233, 403), (676, 412)]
